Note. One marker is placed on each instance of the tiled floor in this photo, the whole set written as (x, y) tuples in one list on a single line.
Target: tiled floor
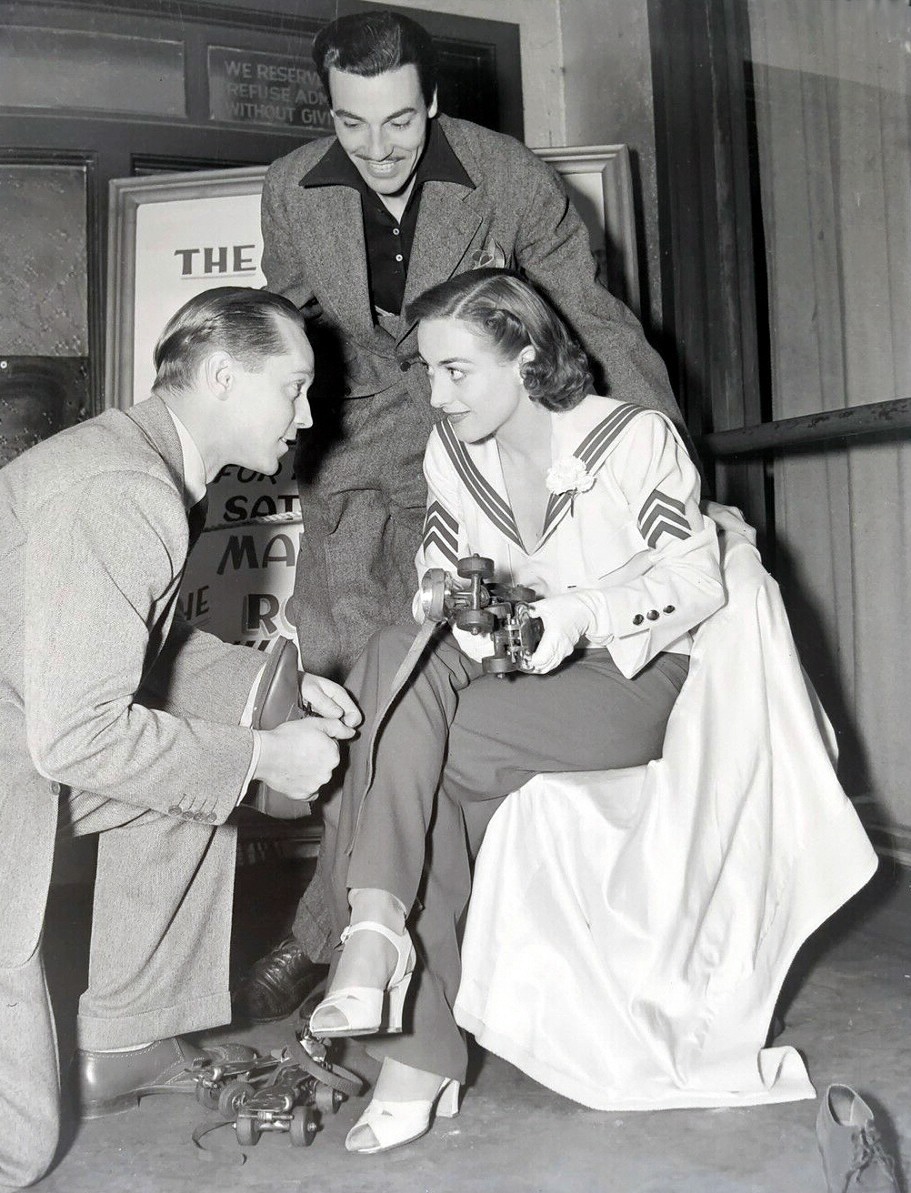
[(846, 1007)]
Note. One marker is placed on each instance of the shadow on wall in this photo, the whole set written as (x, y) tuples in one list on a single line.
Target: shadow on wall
[(819, 655)]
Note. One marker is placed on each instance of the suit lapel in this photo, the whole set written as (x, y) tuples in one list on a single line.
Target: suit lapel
[(447, 221), (333, 223)]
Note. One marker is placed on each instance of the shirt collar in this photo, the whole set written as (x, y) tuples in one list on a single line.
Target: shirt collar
[(194, 469), (438, 164)]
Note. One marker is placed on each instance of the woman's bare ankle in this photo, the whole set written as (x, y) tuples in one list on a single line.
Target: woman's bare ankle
[(368, 958), (398, 1082), (371, 903)]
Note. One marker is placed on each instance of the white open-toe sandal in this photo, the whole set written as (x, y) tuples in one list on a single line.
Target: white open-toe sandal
[(395, 1123), (363, 1007)]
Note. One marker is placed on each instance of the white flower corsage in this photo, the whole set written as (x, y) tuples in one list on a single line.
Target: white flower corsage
[(569, 475)]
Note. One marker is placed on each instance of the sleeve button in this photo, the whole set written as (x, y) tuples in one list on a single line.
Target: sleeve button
[(669, 609), (638, 619), (653, 615)]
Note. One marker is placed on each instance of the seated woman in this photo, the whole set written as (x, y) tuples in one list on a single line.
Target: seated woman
[(594, 504)]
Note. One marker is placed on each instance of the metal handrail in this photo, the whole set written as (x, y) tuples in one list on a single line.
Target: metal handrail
[(784, 434)]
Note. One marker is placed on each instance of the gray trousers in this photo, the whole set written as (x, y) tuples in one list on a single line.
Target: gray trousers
[(455, 744), (363, 498), (158, 965)]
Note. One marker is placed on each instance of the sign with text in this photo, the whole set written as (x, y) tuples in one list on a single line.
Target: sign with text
[(253, 87)]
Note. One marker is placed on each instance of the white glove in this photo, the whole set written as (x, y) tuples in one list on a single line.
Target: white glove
[(567, 618)]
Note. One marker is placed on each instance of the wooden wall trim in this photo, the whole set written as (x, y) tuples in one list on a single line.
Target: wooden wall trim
[(875, 419)]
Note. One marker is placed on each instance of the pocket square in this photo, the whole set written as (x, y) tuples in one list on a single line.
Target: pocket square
[(490, 256)]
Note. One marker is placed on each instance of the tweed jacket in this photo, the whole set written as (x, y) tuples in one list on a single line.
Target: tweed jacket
[(516, 214), (93, 542)]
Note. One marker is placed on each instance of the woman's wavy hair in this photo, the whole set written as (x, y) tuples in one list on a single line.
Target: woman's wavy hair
[(238, 319), (504, 308)]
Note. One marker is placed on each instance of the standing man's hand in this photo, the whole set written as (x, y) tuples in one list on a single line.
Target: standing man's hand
[(298, 757)]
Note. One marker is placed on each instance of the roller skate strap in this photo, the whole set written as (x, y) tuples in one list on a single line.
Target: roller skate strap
[(336, 1077), (231, 1156)]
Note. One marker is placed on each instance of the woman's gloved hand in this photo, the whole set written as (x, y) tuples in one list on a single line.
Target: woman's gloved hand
[(566, 618)]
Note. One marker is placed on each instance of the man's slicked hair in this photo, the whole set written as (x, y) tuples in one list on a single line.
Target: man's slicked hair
[(501, 306), (236, 319), (372, 43)]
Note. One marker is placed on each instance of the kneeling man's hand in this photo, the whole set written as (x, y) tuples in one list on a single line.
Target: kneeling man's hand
[(329, 699), (298, 758)]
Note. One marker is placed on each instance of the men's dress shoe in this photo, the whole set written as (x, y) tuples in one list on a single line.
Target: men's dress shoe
[(853, 1156), (109, 1082), (278, 983)]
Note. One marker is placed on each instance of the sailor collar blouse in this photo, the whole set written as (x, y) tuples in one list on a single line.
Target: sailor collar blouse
[(626, 534)]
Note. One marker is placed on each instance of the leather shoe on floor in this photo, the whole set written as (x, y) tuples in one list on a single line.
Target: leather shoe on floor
[(278, 983), (109, 1082), (852, 1152)]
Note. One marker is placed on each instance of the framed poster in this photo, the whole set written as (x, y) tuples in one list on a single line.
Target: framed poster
[(600, 183), (172, 236)]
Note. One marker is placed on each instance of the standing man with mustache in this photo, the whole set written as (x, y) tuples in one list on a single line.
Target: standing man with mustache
[(355, 227)]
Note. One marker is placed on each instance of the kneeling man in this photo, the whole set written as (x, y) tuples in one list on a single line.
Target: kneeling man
[(118, 718)]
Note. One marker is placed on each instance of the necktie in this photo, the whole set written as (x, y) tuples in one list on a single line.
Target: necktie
[(196, 520)]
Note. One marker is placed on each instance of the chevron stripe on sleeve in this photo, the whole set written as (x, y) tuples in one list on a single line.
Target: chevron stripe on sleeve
[(441, 530), (662, 514)]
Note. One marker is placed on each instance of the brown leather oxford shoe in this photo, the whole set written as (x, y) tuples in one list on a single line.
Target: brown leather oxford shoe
[(109, 1082), (278, 983)]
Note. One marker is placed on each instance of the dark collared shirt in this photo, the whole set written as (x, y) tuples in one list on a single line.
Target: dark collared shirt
[(387, 239)]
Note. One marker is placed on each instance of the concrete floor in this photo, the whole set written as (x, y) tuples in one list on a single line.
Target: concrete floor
[(845, 1006)]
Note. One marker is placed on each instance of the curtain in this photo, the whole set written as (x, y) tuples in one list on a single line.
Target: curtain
[(831, 86)]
